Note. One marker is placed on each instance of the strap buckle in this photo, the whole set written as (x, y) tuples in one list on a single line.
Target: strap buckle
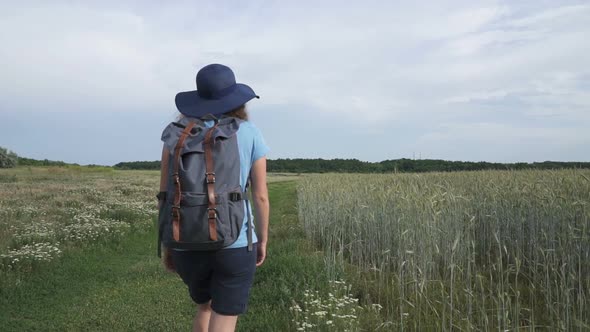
[(176, 211), (212, 213), (235, 197), (210, 177)]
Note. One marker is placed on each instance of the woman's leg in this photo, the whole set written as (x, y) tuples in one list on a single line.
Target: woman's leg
[(201, 321), (222, 323), (232, 278)]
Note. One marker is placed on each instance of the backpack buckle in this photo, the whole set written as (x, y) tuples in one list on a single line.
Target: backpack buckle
[(235, 196), (212, 213), (175, 211), (210, 177)]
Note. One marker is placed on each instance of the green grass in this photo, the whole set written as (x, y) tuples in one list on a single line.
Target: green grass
[(122, 287), (291, 266), (119, 287)]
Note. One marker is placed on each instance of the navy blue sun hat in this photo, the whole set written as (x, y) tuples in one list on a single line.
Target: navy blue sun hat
[(217, 93)]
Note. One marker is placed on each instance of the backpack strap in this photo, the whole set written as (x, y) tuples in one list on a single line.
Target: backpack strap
[(210, 179), (247, 201), (176, 179)]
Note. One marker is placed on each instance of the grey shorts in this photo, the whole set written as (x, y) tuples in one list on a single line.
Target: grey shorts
[(223, 276)]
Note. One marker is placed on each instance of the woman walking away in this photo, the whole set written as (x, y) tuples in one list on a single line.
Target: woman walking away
[(212, 158)]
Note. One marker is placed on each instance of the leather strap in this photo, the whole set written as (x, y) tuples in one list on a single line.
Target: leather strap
[(176, 179), (210, 180)]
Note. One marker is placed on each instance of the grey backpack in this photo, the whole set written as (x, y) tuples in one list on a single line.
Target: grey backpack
[(204, 207)]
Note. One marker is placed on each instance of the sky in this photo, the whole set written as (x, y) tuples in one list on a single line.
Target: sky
[(504, 81)]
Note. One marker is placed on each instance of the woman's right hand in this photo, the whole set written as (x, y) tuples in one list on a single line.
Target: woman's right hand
[(260, 253), (262, 206)]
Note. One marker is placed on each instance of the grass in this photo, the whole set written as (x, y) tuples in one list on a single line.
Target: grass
[(69, 206), (118, 288), (116, 283)]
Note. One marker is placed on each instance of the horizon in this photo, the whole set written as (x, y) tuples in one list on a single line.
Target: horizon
[(331, 159), (493, 81)]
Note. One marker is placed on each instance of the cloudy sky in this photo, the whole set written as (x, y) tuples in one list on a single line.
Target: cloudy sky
[(500, 81)]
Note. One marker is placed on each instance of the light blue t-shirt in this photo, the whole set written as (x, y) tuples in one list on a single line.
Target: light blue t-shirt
[(252, 147)]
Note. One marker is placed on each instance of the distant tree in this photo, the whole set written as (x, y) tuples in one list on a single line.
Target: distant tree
[(319, 165), (34, 162), (8, 158), (143, 165)]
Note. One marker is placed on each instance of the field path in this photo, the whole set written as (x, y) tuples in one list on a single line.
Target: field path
[(122, 287)]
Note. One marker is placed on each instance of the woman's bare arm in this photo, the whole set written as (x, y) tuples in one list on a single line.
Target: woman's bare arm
[(260, 198)]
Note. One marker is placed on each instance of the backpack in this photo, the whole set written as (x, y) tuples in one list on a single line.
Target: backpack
[(204, 207)]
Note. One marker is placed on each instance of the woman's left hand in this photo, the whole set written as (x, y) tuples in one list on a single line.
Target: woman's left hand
[(168, 263)]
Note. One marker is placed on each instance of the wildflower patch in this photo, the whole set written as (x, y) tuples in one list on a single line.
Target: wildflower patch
[(337, 310), (42, 215)]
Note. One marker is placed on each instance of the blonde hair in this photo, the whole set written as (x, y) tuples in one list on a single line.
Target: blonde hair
[(238, 112)]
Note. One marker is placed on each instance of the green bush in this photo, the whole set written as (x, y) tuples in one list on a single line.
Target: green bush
[(8, 159)]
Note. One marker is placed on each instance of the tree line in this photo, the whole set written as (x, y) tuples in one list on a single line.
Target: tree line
[(319, 165), (43, 162), (301, 165)]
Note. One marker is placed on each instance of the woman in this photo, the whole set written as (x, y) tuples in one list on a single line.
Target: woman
[(219, 281)]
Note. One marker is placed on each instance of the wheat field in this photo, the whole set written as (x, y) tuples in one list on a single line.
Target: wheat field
[(489, 250)]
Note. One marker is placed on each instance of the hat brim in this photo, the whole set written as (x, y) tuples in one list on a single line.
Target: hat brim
[(191, 104)]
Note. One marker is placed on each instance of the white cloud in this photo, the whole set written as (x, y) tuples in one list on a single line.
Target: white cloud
[(67, 56), (552, 16), (378, 61)]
